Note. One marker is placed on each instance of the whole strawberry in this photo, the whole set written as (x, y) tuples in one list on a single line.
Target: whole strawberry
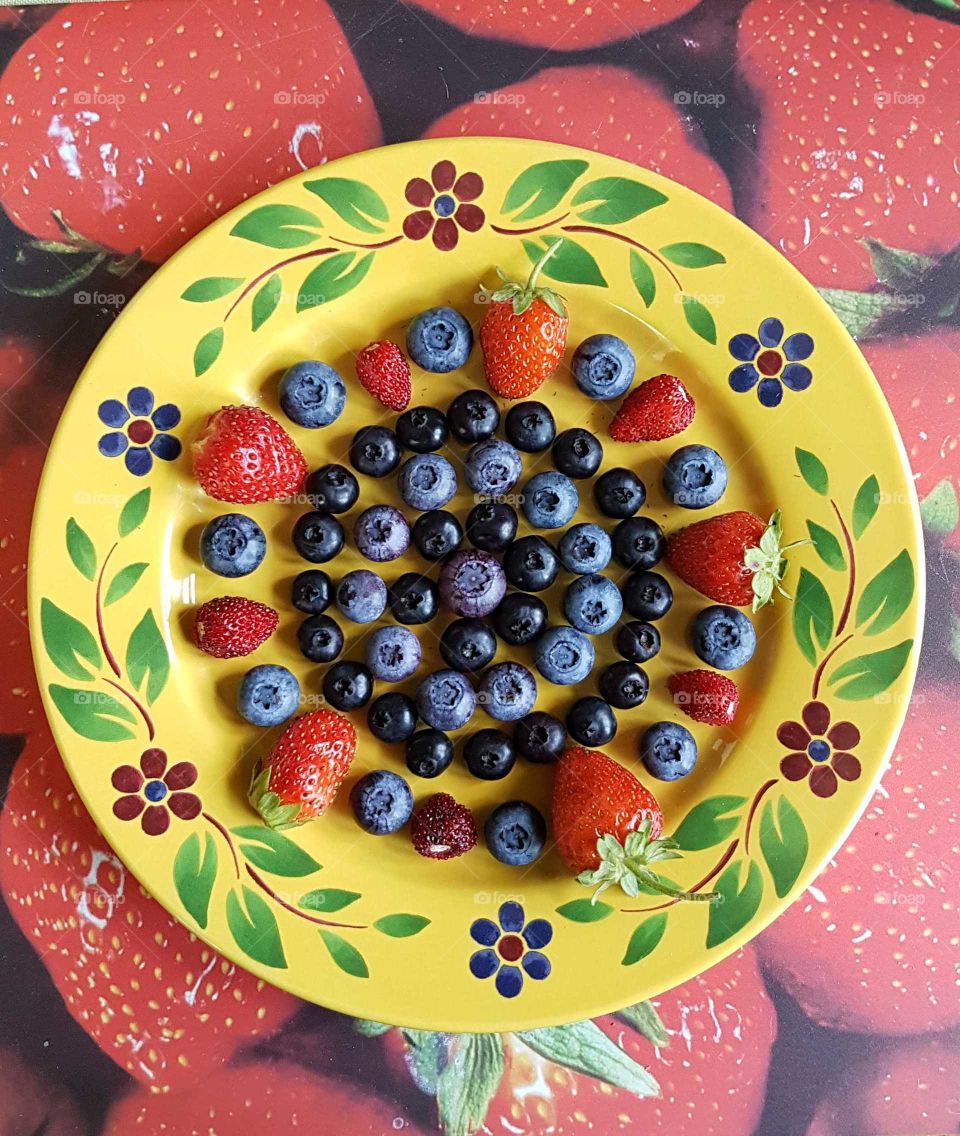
[(523, 333), (384, 372), (442, 829), (231, 626), (656, 409), (705, 696), (300, 776), (243, 455)]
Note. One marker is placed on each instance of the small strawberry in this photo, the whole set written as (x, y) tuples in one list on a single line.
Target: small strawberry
[(705, 696), (302, 773), (523, 333), (231, 626), (656, 409), (442, 829), (384, 372), (243, 455)]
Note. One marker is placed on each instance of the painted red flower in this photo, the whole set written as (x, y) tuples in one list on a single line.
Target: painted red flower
[(820, 752), (444, 206), (152, 792)]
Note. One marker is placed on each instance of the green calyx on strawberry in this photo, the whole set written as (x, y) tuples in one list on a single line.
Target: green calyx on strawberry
[(272, 811), (521, 296), (767, 564), (629, 866)]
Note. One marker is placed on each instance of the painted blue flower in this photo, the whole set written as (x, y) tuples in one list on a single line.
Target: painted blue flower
[(509, 948), (139, 431), (769, 362)]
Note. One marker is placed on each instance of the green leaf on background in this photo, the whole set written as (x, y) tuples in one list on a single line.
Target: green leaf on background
[(541, 187), (859, 312), (896, 268), (738, 905), (613, 200), (570, 264), (207, 351), (123, 581), (784, 844), (265, 302), (643, 279), (352, 201), (254, 928), (67, 641), (584, 910), (812, 614), (345, 954), (466, 1083), (273, 852), (698, 318), (327, 900), (278, 226), (868, 675), (332, 278), (401, 925), (147, 657), (194, 875), (645, 939), (865, 505), (708, 823), (813, 471), (887, 596), (211, 288), (827, 546), (81, 550), (691, 254), (92, 715), (647, 1022), (133, 512), (585, 1048), (940, 509)]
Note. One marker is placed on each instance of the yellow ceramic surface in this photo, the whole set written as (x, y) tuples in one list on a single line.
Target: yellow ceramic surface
[(316, 268)]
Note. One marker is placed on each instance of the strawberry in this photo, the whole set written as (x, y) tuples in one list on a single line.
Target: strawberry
[(871, 947), (301, 774), (29, 1104), (384, 372), (160, 1003), (608, 109), (705, 696), (442, 829), (854, 99), (243, 455), (140, 127), (523, 333), (231, 626), (656, 409)]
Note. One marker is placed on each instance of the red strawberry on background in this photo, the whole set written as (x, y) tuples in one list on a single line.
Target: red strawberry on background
[(232, 626), (30, 1105), (159, 1002), (856, 108), (656, 409), (705, 696), (139, 126), (600, 108), (442, 829), (243, 455), (384, 372)]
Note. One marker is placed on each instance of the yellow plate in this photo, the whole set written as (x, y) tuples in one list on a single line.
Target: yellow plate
[(316, 268)]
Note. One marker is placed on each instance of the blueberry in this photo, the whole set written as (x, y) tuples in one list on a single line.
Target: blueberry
[(540, 737), (439, 340), (624, 685), (429, 753), (381, 802), (312, 394), (603, 367), (531, 564), (472, 583), (312, 592), (591, 722), (436, 534), (577, 452), (467, 645), (593, 604), (413, 598), (638, 543), (422, 429), (515, 833), (320, 639), (232, 545), (723, 637), (520, 618), (493, 467), (318, 537), (361, 596), (489, 754), (550, 500), (563, 655), (347, 685), (268, 695), (427, 481), (381, 533), (446, 700), (393, 653), (473, 416), (585, 548), (668, 751), (491, 525), (530, 427), (332, 489), (508, 691), (647, 596), (695, 477), (637, 642), (619, 493), (392, 717), (374, 451)]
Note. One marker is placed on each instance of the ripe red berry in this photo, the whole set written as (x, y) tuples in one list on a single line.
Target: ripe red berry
[(384, 372), (705, 696), (231, 626), (244, 455), (441, 829), (656, 409)]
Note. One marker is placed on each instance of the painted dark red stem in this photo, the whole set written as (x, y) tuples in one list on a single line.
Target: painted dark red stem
[(264, 886), (101, 630)]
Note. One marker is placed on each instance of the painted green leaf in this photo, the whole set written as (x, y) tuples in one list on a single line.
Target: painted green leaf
[(327, 899), (278, 226), (254, 928), (207, 351), (784, 844), (81, 550), (585, 1048), (352, 201), (887, 596), (584, 910), (708, 823), (211, 288), (265, 302), (333, 278), (868, 675), (541, 187), (274, 852), (827, 546), (738, 905), (813, 471), (133, 512), (344, 954), (865, 505), (570, 264), (91, 714), (193, 875), (147, 657), (613, 200), (643, 279), (812, 614), (123, 581), (692, 254), (401, 925), (698, 318), (645, 939), (67, 641)]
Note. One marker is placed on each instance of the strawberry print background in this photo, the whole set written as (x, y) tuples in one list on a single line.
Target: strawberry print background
[(828, 126)]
